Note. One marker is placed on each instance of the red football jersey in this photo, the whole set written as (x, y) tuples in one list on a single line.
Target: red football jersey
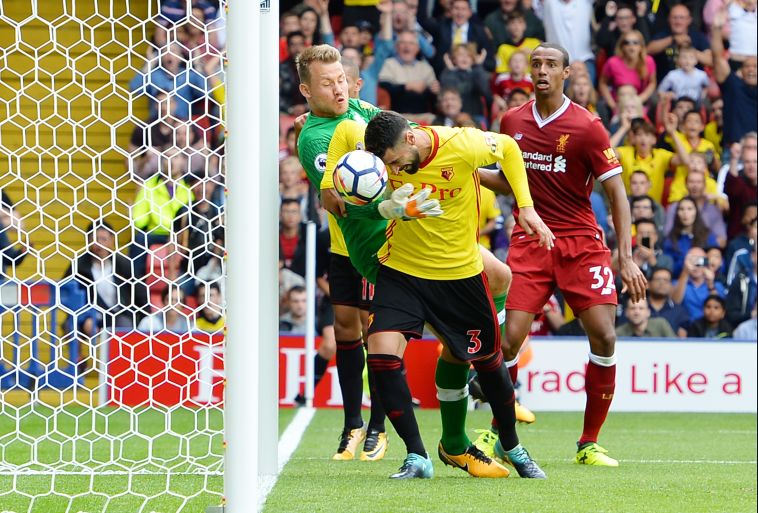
[(562, 155)]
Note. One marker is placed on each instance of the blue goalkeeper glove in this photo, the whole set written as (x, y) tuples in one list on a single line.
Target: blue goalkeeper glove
[(401, 205)]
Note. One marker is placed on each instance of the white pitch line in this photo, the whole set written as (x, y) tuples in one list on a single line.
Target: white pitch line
[(288, 442)]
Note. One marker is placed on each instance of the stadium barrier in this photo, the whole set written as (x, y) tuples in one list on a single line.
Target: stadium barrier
[(653, 375)]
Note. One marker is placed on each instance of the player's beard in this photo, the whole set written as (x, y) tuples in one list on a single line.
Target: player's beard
[(411, 168)]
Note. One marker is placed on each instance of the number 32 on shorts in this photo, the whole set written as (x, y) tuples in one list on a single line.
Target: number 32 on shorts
[(602, 277)]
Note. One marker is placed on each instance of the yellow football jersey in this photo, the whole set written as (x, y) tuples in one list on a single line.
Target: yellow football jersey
[(489, 210), (446, 247), (679, 183), (654, 166)]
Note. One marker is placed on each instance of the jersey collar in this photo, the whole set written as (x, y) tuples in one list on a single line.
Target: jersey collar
[(555, 115), (435, 146)]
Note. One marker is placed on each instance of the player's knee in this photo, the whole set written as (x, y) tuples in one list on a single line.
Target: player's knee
[(603, 342), (514, 338), (347, 327), (499, 278)]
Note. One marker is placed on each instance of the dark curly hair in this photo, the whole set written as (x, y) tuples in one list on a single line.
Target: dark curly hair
[(384, 132)]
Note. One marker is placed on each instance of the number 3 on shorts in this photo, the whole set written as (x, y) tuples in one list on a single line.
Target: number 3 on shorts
[(598, 273), (476, 344)]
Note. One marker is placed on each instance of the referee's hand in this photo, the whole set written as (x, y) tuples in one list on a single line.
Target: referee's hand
[(532, 223)]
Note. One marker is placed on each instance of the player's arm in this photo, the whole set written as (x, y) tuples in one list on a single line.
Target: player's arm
[(494, 180), (511, 163), (633, 279), (344, 138)]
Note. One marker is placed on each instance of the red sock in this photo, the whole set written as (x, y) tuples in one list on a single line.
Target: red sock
[(600, 384), (513, 371)]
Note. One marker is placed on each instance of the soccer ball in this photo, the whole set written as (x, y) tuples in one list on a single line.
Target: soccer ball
[(360, 177)]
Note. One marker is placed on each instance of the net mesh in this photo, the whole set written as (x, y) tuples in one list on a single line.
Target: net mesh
[(111, 240)]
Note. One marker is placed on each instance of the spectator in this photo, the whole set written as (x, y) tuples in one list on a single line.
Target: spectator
[(665, 45), (568, 24), (316, 25), (738, 88), (350, 37), (170, 316), (707, 206), (716, 263), (647, 253), (294, 320), (469, 78), (517, 98), (741, 244), (504, 83), (580, 91), (370, 67), (450, 105), (692, 142), (696, 283), (461, 28), (291, 100), (615, 27), (740, 187), (688, 231), (289, 149), (116, 295), (714, 129), (662, 305), (641, 156), (733, 156), (748, 330), (516, 27), (173, 77), (497, 22), (740, 262), (288, 22), (640, 185), (214, 269), (211, 305), (712, 323), (291, 183), (628, 105), (741, 298), (411, 83), (197, 38), (404, 18), (742, 31), (644, 207), (678, 107), (194, 227), (156, 205), (629, 66), (292, 240), (686, 79), (287, 280), (641, 324)]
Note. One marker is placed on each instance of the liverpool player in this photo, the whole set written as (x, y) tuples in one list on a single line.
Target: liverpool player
[(564, 148)]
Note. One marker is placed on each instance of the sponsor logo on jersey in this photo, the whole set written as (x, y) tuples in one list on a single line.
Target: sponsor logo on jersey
[(518, 136), (562, 142), (447, 173), (610, 155), (320, 162), (370, 320), (491, 141), (544, 162)]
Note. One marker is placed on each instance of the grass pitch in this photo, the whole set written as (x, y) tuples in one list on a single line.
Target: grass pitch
[(677, 463), (669, 463)]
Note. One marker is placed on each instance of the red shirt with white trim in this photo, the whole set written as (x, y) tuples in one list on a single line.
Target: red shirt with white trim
[(562, 155)]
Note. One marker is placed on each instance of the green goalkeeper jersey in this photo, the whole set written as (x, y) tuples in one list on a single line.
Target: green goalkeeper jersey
[(359, 239)]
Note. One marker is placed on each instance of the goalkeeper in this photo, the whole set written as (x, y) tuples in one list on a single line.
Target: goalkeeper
[(324, 85)]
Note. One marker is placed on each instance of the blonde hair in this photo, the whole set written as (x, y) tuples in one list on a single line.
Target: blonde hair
[(641, 65), (320, 53)]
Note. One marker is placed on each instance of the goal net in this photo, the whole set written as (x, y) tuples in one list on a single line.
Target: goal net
[(112, 249)]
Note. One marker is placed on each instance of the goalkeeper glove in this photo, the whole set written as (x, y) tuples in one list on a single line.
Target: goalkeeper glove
[(402, 205)]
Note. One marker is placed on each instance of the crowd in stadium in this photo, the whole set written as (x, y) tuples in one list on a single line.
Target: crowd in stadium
[(673, 82)]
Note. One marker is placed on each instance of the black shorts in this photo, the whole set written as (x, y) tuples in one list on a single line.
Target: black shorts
[(346, 286), (461, 312)]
